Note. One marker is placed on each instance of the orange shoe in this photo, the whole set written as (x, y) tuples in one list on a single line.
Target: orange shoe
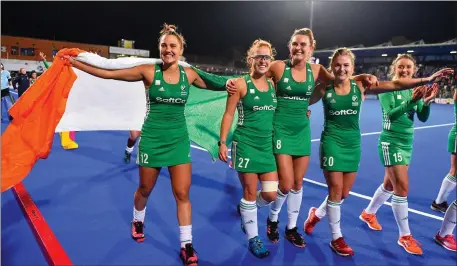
[(411, 245), (370, 220), (341, 248), (311, 221)]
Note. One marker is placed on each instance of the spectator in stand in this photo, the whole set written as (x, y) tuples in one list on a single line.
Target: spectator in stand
[(21, 83)]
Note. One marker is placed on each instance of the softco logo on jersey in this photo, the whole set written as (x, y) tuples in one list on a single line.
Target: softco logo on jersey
[(343, 112), (263, 108), (170, 100), (297, 98)]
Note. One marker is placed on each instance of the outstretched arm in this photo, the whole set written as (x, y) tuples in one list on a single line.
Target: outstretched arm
[(129, 74), (205, 80), (406, 83)]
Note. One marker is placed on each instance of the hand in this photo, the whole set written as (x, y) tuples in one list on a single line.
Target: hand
[(369, 80), (418, 93), (431, 93), (308, 113), (437, 76), (223, 152), (230, 86), (68, 59), (43, 56)]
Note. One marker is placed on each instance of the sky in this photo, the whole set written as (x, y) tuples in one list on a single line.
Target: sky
[(218, 28)]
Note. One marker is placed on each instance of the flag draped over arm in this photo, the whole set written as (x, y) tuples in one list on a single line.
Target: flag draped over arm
[(67, 99)]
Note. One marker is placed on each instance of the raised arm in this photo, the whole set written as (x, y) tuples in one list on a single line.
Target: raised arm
[(227, 119), (325, 77), (43, 58), (129, 74)]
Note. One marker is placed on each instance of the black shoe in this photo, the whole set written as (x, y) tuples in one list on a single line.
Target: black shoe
[(442, 207), (127, 157), (295, 237), (272, 231)]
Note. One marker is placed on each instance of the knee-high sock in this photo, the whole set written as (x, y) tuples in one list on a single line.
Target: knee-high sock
[(248, 211), (293, 207), (449, 221)]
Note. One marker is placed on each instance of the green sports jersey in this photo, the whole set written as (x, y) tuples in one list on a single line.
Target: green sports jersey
[(342, 112), (252, 151), (292, 133), (164, 135), (340, 139), (255, 111), (398, 111)]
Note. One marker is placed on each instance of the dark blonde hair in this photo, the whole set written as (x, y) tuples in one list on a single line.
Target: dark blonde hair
[(399, 57), (306, 32), (168, 29), (342, 51), (255, 45)]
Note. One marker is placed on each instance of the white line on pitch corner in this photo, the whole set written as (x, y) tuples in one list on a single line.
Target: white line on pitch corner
[(369, 198)]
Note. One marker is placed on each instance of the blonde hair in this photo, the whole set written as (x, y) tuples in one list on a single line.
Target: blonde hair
[(255, 45), (168, 29), (399, 57), (342, 51), (307, 32)]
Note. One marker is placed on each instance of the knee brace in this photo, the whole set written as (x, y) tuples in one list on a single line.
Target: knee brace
[(269, 186)]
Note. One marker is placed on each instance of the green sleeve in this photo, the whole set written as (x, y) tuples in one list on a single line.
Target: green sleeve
[(213, 82), (46, 64), (423, 111), (388, 105)]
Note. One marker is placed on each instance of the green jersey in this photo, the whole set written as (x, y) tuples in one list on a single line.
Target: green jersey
[(340, 139), (164, 136), (252, 151), (292, 132), (398, 111)]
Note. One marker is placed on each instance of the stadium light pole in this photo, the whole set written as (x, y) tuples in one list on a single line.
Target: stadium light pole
[(311, 16)]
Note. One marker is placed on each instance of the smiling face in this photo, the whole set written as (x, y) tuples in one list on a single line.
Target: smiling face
[(260, 60), (300, 47), (342, 67), (404, 68), (170, 48)]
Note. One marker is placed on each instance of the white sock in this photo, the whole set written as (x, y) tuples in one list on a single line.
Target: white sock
[(447, 186), (185, 235), (448, 225), (139, 215), (276, 206), (260, 201), (128, 149), (380, 196), (249, 218), (400, 209), (293, 207), (334, 217), (322, 210)]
